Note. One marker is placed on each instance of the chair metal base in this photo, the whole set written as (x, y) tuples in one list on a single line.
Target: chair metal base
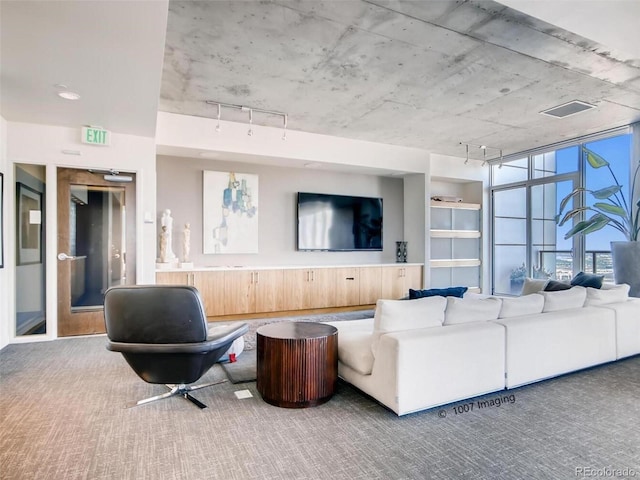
[(182, 390)]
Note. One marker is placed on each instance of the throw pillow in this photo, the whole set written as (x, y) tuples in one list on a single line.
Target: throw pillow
[(556, 286), (465, 310), (533, 285), (564, 299), (397, 315), (588, 280), (526, 305), (442, 292), (616, 294)]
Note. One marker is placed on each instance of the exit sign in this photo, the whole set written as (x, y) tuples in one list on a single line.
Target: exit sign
[(96, 136)]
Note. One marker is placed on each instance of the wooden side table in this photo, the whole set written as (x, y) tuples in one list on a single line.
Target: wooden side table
[(297, 363)]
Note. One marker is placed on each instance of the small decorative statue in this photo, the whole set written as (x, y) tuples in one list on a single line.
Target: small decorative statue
[(186, 242), (167, 222), (401, 252), (163, 245)]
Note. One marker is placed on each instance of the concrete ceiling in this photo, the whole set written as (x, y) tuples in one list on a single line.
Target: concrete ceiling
[(426, 74)]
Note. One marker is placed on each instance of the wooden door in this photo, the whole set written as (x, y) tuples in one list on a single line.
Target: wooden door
[(269, 290), (392, 283), (370, 285), (96, 246), (321, 292), (412, 278), (173, 278)]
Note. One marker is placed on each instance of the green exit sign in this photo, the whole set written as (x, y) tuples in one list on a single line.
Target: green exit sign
[(96, 136)]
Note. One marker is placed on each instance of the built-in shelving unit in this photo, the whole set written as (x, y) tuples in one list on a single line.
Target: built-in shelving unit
[(456, 245)]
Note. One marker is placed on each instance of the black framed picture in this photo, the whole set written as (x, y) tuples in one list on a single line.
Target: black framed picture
[(1, 220), (29, 225)]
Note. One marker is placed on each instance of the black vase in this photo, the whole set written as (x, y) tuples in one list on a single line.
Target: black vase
[(401, 252)]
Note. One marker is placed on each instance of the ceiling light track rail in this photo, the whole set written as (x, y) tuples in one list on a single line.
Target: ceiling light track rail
[(484, 148), (251, 111)]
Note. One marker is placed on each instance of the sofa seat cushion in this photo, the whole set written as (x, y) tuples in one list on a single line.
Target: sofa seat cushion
[(550, 344), (398, 315), (466, 310), (354, 344), (614, 294), (574, 297), (518, 306), (627, 326)]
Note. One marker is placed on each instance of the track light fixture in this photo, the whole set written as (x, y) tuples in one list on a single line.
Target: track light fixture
[(484, 149), (251, 111)]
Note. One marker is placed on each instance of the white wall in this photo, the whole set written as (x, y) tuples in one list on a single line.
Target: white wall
[(43, 145), (4, 272), (179, 187)]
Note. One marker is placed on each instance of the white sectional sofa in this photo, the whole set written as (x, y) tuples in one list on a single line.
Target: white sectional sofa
[(418, 354)]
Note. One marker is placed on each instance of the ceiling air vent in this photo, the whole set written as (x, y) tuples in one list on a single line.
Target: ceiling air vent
[(568, 109)]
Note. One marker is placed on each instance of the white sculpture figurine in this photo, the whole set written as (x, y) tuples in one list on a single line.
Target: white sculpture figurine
[(186, 242), (167, 222), (163, 245)]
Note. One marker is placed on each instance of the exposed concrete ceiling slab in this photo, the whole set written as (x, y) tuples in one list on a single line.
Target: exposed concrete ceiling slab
[(421, 74)]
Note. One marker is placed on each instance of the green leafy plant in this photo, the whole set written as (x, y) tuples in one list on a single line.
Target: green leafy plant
[(611, 209)]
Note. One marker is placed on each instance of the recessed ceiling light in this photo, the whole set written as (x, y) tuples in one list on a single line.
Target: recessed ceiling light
[(69, 95)]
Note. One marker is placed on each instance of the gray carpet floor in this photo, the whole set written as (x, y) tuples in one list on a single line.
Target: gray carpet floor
[(62, 417)]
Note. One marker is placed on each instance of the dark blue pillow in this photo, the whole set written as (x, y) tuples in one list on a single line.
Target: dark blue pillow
[(556, 286), (587, 280), (441, 292)]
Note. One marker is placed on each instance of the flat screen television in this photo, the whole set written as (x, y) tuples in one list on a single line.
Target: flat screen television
[(338, 223)]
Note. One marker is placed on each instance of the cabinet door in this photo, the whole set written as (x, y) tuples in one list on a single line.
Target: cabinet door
[(295, 285), (393, 283), (211, 288), (412, 278), (370, 285), (239, 292), (347, 281), (173, 278), (321, 291), (269, 290)]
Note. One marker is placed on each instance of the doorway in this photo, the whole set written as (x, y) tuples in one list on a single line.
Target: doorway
[(96, 245)]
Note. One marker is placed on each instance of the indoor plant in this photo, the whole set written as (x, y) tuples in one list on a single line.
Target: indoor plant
[(611, 208)]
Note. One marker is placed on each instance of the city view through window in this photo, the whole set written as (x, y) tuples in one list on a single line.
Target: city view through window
[(526, 200)]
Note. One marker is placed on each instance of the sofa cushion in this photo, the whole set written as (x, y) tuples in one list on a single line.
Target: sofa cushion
[(465, 310), (442, 292), (587, 280), (564, 299), (518, 306), (556, 286), (533, 285), (397, 315), (615, 294)]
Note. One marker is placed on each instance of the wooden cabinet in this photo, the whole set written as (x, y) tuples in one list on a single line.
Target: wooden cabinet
[(252, 291), (370, 288), (237, 292), (308, 288), (211, 286), (347, 281), (396, 281)]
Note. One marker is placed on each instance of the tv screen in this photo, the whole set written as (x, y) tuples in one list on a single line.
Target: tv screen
[(339, 222)]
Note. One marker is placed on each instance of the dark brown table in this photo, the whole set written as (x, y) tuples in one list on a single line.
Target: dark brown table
[(297, 363)]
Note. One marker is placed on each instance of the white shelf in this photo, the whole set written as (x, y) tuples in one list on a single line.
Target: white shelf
[(461, 205), (457, 262), (455, 233)]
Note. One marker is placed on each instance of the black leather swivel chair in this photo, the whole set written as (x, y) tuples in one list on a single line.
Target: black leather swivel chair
[(162, 332)]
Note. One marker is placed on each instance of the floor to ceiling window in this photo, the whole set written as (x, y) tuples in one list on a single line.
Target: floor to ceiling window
[(526, 193)]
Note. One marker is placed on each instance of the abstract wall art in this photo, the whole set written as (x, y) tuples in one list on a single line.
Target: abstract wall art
[(230, 211)]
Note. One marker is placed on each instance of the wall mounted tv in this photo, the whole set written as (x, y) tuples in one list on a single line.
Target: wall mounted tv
[(339, 222)]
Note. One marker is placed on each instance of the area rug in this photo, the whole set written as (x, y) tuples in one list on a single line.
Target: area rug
[(244, 368)]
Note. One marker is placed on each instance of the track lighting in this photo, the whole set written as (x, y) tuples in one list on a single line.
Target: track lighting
[(484, 149), (251, 111)]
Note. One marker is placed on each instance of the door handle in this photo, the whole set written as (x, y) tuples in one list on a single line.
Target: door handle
[(64, 256)]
